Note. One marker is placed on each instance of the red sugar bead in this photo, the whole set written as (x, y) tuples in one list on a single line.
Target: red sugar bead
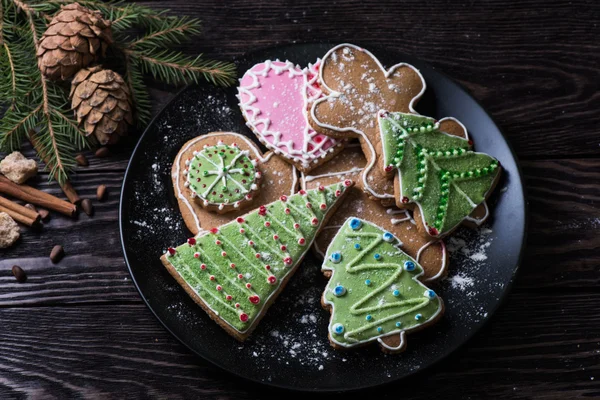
[(272, 279), (243, 317), (191, 241), (301, 241)]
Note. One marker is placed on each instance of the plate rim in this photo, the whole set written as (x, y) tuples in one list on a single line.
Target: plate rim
[(502, 300)]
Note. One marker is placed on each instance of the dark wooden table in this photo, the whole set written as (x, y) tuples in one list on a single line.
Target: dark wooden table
[(80, 329)]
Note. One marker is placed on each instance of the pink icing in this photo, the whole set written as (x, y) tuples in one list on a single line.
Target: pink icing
[(274, 97)]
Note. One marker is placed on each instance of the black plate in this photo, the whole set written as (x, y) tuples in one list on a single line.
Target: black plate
[(289, 348)]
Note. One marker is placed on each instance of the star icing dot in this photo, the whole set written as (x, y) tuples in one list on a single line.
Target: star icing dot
[(409, 266), (368, 282), (338, 329), (336, 257), (339, 290), (355, 223), (429, 294)]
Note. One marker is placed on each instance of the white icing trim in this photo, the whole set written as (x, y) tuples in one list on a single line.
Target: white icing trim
[(309, 94), (332, 305), (310, 178), (334, 94), (480, 221), (444, 265), (180, 194), (401, 346)]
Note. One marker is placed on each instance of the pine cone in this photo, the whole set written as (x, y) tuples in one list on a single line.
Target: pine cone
[(76, 37), (102, 103)]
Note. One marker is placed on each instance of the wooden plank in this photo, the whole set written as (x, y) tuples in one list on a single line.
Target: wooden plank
[(541, 350)]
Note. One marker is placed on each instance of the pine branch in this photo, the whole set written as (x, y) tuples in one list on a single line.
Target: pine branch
[(40, 109), (172, 31), (139, 94), (15, 125), (174, 67)]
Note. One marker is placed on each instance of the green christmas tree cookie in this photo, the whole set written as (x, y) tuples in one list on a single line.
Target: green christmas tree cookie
[(221, 177), (373, 291), (437, 171), (235, 271)]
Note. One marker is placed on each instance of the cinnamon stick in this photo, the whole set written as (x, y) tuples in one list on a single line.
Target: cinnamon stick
[(31, 195), (19, 213), (66, 187)]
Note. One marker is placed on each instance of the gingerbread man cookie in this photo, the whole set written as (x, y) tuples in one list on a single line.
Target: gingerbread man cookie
[(357, 87), (249, 178), (349, 164), (274, 97)]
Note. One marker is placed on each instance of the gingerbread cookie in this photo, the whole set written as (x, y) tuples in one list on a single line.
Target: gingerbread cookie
[(437, 172), (357, 87), (223, 177), (274, 97), (373, 292), (235, 271), (349, 164), (251, 178)]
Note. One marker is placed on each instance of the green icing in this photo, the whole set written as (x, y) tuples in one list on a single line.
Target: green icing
[(379, 297), (221, 174), (438, 171), (291, 222)]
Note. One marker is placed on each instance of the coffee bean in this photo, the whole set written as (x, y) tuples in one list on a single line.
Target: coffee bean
[(19, 274), (87, 207), (102, 152), (44, 214), (31, 207), (57, 253), (101, 192), (82, 160)]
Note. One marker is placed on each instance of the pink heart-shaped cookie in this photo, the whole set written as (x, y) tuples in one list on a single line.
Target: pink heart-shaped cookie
[(274, 99)]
